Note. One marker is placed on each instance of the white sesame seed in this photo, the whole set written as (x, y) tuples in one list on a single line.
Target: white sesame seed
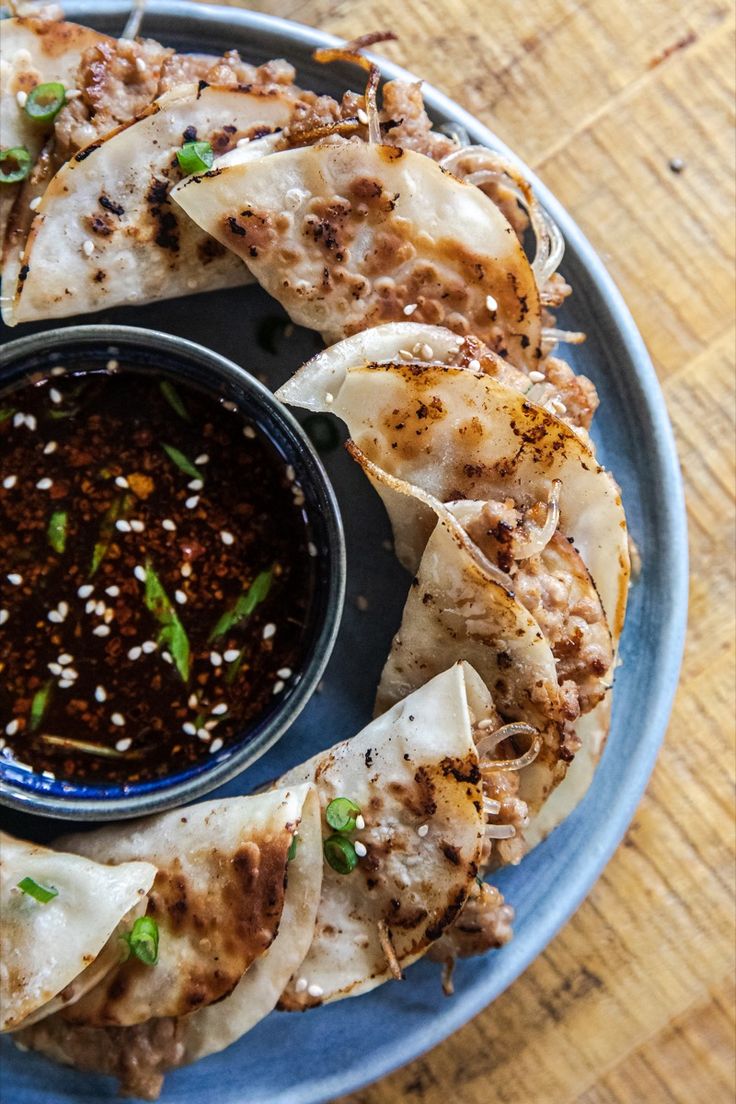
[(192, 701), (269, 630), (58, 370), (248, 431), (167, 523), (226, 538), (422, 830), (231, 406), (140, 573), (284, 672), (148, 646), (192, 502), (137, 525), (44, 484), (360, 822), (405, 354), (15, 578), (122, 525), (49, 447), (140, 65), (474, 365), (55, 668), (4, 615), (85, 590), (203, 734), (65, 659), (167, 657), (113, 591), (118, 719), (100, 607), (112, 365), (426, 352), (362, 118), (55, 395), (410, 308), (9, 481), (55, 617), (88, 247), (329, 397), (290, 473), (30, 421), (21, 97), (186, 570), (362, 603), (70, 673), (48, 774), (65, 683), (219, 709), (301, 985), (135, 652), (189, 728), (63, 608), (278, 686), (72, 94), (180, 597), (203, 459), (537, 377), (215, 659), (124, 744), (230, 655), (215, 745), (312, 548), (195, 485), (360, 849), (11, 728), (101, 630), (121, 481), (100, 694), (108, 615), (90, 606), (315, 990), (18, 419)]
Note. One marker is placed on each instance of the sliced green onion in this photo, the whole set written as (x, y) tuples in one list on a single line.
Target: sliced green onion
[(56, 531), (88, 749), (142, 940), (182, 462), (195, 157), (340, 854), (256, 593), (15, 164), (38, 705), (322, 432), (172, 634), (5, 413), (45, 101), (174, 400), (40, 893), (118, 508), (291, 855), (341, 814), (234, 668)]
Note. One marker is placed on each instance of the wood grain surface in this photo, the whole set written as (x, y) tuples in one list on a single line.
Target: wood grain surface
[(606, 99)]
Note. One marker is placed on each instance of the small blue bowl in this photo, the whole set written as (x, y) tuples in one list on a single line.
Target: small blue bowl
[(149, 350)]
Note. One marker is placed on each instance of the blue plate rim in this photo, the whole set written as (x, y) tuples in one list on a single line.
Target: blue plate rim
[(673, 553)]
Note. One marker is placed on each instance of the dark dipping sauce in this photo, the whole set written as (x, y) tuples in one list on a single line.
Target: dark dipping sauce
[(156, 574)]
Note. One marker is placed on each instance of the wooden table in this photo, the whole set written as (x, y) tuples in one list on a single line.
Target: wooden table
[(624, 108)]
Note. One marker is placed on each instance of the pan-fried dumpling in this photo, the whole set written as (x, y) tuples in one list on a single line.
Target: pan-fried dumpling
[(348, 234), (414, 775), (55, 949), (106, 233)]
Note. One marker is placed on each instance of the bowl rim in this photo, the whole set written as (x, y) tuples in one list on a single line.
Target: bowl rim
[(235, 759)]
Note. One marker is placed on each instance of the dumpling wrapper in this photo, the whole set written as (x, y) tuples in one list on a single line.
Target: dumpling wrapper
[(217, 899), (106, 233), (46, 948), (457, 433), (415, 766), (139, 1055), (346, 234), (34, 51)]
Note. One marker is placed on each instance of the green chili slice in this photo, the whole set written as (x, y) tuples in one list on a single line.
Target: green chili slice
[(142, 940), (15, 164), (195, 157), (340, 854), (341, 814), (256, 593), (56, 531), (182, 462), (45, 101), (172, 634), (42, 894), (174, 400)]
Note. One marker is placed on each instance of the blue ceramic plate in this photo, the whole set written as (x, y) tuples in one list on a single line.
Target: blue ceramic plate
[(291, 1059)]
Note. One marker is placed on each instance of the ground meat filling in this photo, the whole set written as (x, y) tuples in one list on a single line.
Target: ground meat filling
[(229, 71), (484, 923), (137, 1056)]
